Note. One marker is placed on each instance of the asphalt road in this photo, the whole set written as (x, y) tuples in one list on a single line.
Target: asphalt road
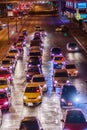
[(49, 112)]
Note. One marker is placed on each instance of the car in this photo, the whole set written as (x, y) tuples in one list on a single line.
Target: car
[(25, 32), (13, 52), (34, 53), (72, 47), (32, 94), (13, 58), (58, 28), (71, 69), (5, 100), (36, 48), (17, 45), (22, 39), (55, 51), (37, 43), (58, 61), (30, 123), (40, 79), (42, 32), (60, 77), (5, 73), (8, 64), (32, 70), (37, 35), (74, 120), (37, 27), (69, 96), (34, 61), (5, 84)]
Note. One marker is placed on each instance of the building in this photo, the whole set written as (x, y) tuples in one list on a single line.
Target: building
[(76, 8)]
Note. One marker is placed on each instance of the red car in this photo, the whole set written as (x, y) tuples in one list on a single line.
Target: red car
[(6, 73), (5, 100), (74, 120)]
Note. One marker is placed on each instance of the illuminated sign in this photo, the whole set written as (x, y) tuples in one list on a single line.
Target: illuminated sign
[(81, 5)]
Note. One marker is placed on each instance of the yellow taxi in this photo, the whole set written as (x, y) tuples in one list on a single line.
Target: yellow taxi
[(32, 94), (40, 79), (5, 85), (58, 29), (13, 52)]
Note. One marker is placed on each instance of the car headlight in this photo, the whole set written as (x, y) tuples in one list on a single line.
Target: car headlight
[(55, 82), (39, 97), (45, 86), (76, 48), (24, 97), (6, 103), (62, 100)]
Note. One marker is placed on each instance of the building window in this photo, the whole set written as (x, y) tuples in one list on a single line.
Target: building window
[(75, 6)]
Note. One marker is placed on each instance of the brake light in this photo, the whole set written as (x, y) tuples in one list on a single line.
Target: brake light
[(37, 90), (62, 59)]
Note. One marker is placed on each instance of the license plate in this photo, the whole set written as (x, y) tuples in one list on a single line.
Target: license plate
[(30, 104)]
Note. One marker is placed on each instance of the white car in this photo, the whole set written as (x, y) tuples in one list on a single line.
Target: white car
[(60, 77), (72, 70), (40, 79), (72, 47)]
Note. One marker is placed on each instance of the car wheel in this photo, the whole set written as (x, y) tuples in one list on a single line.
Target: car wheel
[(24, 104)]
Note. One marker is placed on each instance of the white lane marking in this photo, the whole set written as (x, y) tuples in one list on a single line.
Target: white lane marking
[(80, 44)]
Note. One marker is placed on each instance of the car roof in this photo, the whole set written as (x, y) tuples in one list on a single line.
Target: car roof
[(32, 84), (29, 118)]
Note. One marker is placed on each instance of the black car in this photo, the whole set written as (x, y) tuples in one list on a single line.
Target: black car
[(32, 70), (69, 96), (34, 61), (30, 123), (55, 51)]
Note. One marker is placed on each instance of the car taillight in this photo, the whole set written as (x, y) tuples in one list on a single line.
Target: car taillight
[(62, 59), (37, 90)]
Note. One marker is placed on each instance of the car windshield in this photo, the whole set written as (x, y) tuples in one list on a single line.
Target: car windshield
[(3, 95), (13, 51), (29, 125), (61, 74), (31, 89), (68, 90), (10, 57), (75, 117), (3, 82), (39, 79), (5, 62), (59, 58), (35, 53), (72, 45), (4, 72), (70, 66), (56, 50), (33, 70)]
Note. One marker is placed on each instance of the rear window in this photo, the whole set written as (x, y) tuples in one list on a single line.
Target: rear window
[(3, 95), (6, 62), (62, 74), (13, 51), (59, 58), (70, 66), (31, 89), (39, 79), (29, 125), (3, 82)]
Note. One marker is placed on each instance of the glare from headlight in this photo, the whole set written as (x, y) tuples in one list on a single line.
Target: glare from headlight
[(62, 100), (39, 97), (45, 86), (76, 99), (55, 82), (24, 97), (6, 103)]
